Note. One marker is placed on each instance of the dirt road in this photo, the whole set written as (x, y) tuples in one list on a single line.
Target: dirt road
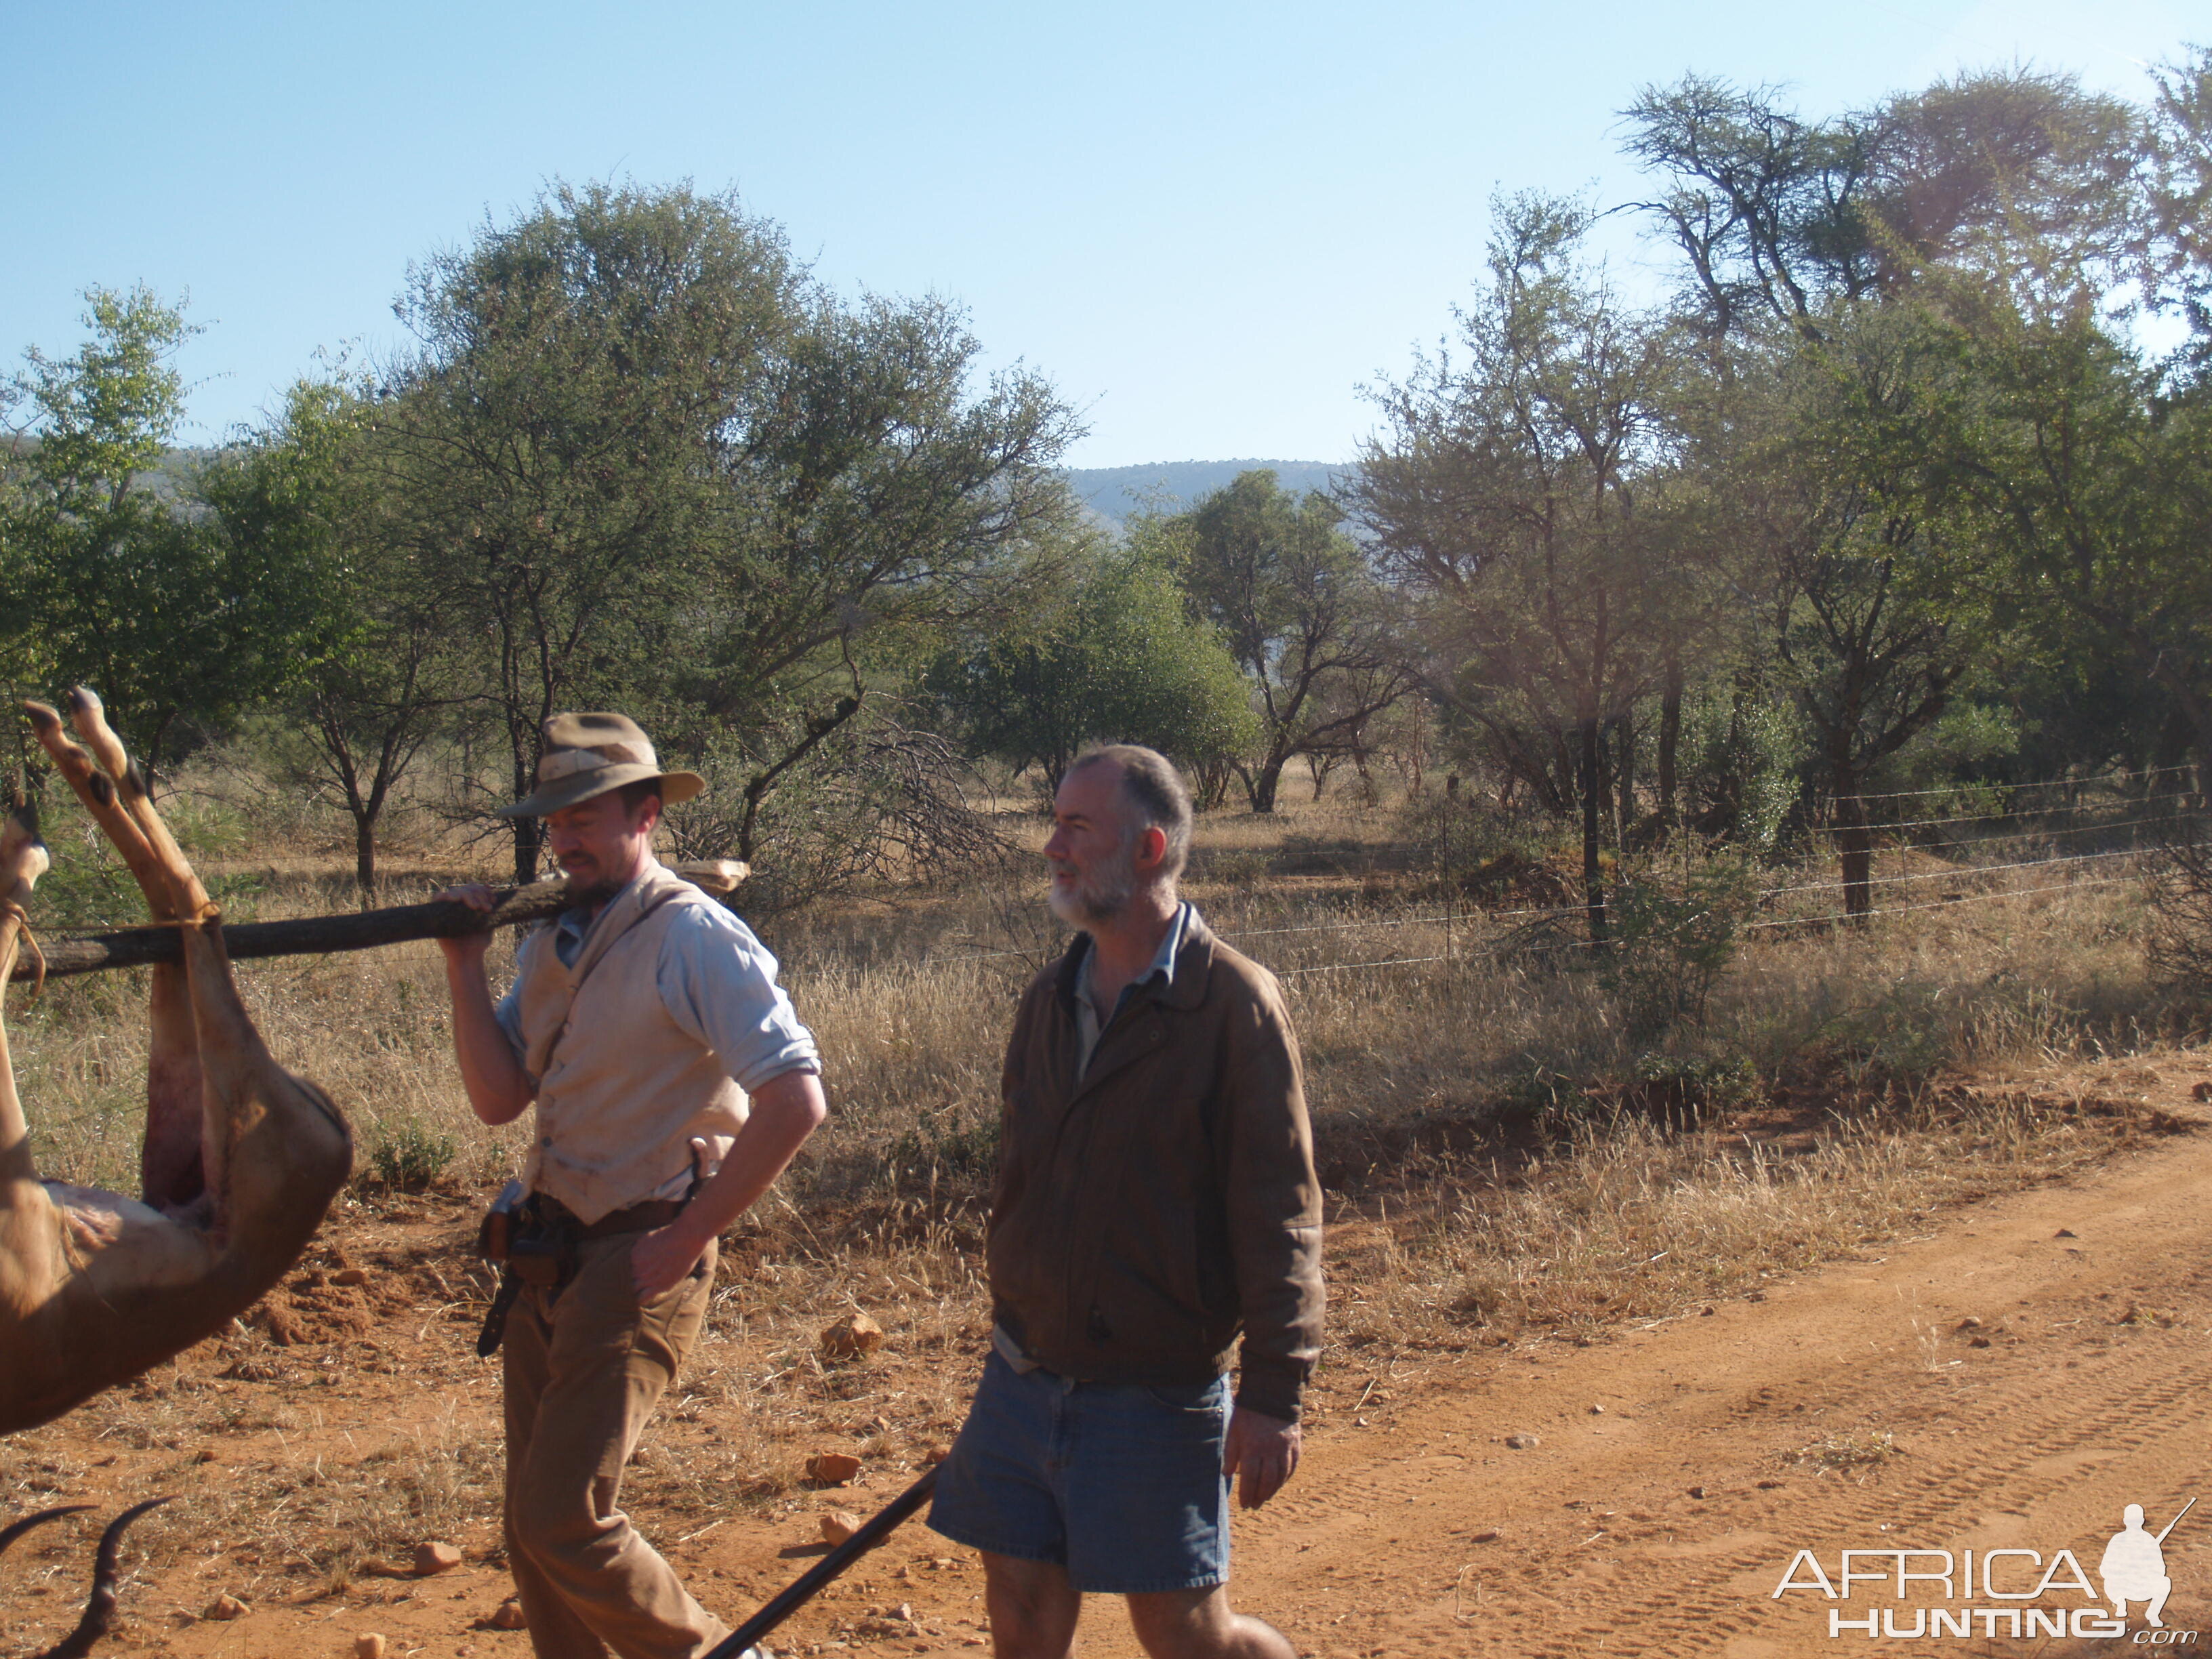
[(1727, 1442), (2011, 1382)]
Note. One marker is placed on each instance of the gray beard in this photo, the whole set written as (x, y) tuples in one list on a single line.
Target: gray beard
[(1103, 895)]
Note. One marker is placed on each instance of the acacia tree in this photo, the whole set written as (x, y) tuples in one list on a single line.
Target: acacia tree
[(2174, 244), (1782, 218), (1878, 593), (1292, 596), (118, 582), (378, 663), (558, 432), (874, 505), (1508, 492), (2092, 476), (667, 468), (1119, 660)]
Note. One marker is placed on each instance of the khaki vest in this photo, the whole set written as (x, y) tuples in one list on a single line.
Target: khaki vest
[(621, 1089)]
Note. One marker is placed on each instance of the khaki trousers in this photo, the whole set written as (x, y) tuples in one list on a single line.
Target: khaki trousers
[(583, 1372)]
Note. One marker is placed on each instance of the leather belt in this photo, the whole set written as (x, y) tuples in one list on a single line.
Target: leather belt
[(637, 1218)]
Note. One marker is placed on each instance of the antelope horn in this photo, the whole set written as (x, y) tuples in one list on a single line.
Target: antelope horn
[(16, 1529), (100, 1605)]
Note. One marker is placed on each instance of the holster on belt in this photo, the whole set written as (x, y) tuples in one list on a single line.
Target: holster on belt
[(534, 1241), (496, 1233)]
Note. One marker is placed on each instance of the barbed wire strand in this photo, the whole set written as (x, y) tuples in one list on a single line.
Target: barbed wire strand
[(1577, 909), (1348, 967), (1957, 871), (2039, 835), (1982, 817), (2040, 783), (1785, 921), (1954, 874), (1946, 903)]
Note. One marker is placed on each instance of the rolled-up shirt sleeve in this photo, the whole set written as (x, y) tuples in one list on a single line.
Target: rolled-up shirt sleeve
[(507, 1010), (718, 983)]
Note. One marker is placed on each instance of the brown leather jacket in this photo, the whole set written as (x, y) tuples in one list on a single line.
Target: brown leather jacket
[(1147, 1212)]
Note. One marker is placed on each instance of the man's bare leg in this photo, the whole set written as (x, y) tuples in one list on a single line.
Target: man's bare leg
[(1198, 1624), (1033, 1608)]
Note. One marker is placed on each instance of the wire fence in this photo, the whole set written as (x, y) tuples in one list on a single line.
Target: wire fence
[(1493, 951), (2106, 779), (1884, 885)]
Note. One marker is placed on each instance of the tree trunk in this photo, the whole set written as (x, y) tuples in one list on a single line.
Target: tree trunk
[(1670, 740), (529, 840), (1265, 783), (1853, 845), (364, 855), (1593, 824), (1369, 795), (757, 791), (529, 834), (1319, 766), (1623, 735)]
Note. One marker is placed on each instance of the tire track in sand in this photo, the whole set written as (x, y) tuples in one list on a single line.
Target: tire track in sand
[(2037, 1440)]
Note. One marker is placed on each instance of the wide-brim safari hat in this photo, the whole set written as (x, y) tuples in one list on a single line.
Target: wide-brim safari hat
[(587, 754)]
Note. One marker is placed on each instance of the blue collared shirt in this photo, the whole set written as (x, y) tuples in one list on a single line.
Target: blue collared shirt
[(1087, 1026)]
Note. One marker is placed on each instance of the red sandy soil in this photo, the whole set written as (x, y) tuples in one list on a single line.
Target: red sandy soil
[(1853, 1409)]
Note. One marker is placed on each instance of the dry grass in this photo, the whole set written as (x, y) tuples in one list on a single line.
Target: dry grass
[(1627, 1222), (1495, 1176)]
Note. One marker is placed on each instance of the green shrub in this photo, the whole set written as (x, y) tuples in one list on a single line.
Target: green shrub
[(408, 1155), (1690, 1085), (949, 1142), (1672, 942)]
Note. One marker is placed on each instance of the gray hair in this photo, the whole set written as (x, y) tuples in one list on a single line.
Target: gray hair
[(1151, 784)]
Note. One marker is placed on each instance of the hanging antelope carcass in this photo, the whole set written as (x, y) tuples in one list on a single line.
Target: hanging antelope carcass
[(240, 1161)]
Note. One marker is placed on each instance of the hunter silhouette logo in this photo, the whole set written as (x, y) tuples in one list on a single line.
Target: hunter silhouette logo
[(2014, 1582), (2134, 1566)]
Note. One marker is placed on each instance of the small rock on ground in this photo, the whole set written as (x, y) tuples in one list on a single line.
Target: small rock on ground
[(851, 1337)]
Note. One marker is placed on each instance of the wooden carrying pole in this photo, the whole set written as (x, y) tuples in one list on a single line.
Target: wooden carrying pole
[(134, 947)]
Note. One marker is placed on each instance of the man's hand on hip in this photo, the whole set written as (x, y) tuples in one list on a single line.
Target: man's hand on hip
[(1260, 1451), (662, 1259)]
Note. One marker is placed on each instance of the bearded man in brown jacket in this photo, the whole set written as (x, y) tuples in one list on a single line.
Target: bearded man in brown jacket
[(1156, 1199)]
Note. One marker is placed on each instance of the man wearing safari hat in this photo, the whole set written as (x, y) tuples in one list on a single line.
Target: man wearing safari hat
[(673, 1083)]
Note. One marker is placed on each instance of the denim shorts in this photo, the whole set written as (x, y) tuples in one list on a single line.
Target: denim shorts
[(1119, 1483)]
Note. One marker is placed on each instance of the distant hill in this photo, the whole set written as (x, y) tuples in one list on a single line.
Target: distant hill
[(1112, 492), (1115, 492)]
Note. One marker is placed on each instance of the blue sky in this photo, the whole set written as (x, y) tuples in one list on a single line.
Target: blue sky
[(1208, 224)]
